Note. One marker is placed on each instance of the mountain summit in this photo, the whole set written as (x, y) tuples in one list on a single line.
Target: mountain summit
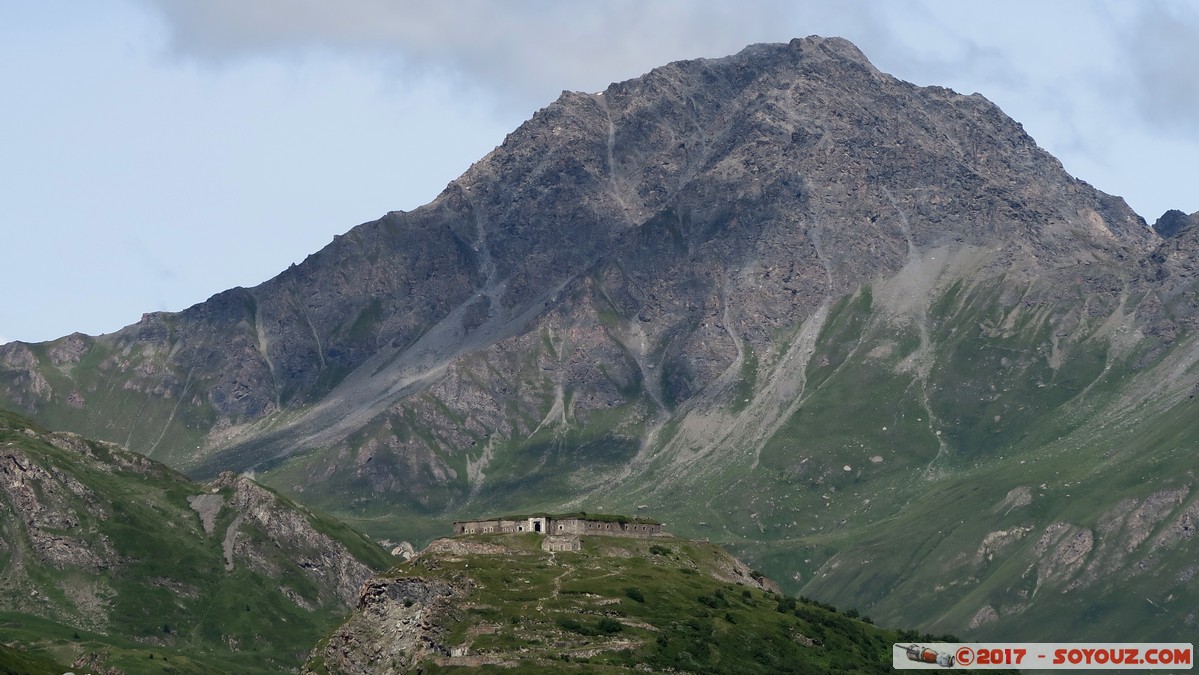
[(780, 297)]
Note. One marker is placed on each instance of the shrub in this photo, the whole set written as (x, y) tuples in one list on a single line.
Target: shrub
[(822, 605), (567, 623), (634, 593), (608, 626), (605, 626)]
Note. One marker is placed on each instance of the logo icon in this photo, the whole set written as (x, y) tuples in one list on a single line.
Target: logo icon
[(926, 655)]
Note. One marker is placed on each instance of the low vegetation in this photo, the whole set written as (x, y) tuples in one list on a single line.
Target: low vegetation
[(131, 579), (617, 606)]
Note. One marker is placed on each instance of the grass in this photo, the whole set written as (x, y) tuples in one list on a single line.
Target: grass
[(743, 392), (615, 606), (161, 588), (894, 538), (28, 662), (880, 536)]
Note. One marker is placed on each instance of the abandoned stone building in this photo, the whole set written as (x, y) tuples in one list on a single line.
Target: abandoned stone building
[(562, 532)]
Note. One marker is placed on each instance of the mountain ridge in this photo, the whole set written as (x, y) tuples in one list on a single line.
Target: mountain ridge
[(250, 381), (109, 558), (721, 290), (616, 604)]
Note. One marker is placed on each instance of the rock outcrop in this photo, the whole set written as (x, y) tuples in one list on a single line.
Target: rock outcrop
[(99, 539), (397, 624)]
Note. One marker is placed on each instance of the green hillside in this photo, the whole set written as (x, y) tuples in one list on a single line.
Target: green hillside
[(980, 469), (105, 557), (491, 603), (985, 465)]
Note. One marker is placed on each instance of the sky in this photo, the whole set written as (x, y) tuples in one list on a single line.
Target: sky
[(156, 152)]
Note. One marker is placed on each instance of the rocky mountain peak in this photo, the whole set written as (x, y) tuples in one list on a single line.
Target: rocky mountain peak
[(676, 292), (689, 180), (1174, 221), (798, 156)]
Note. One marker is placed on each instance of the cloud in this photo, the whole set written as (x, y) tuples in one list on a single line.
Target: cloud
[(528, 49), (1097, 82), (1135, 56), (1161, 46)]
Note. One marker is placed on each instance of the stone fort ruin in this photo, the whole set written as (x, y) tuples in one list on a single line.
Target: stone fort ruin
[(562, 532)]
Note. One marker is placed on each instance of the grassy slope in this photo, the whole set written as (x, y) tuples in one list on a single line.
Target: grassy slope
[(169, 595), (1007, 401), (1004, 400), (899, 537), (162, 426), (621, 603), (18, 662)]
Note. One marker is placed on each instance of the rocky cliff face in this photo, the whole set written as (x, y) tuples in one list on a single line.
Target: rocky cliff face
[(397, 624), (765, 183), (775, 297), (100, 540), (1174, 221)]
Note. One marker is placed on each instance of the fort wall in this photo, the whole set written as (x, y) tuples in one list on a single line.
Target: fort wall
[(559, 525)]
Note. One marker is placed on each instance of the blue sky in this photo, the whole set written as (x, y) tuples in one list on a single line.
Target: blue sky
[(155, 152)]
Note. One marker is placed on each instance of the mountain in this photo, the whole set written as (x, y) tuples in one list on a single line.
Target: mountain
[(1174, 221), (866, 333), (619, 604), (113, 561)]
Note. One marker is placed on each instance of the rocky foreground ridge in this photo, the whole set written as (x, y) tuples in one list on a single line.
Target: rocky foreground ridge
[(109, 558), (636, 604), (781, 299)]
